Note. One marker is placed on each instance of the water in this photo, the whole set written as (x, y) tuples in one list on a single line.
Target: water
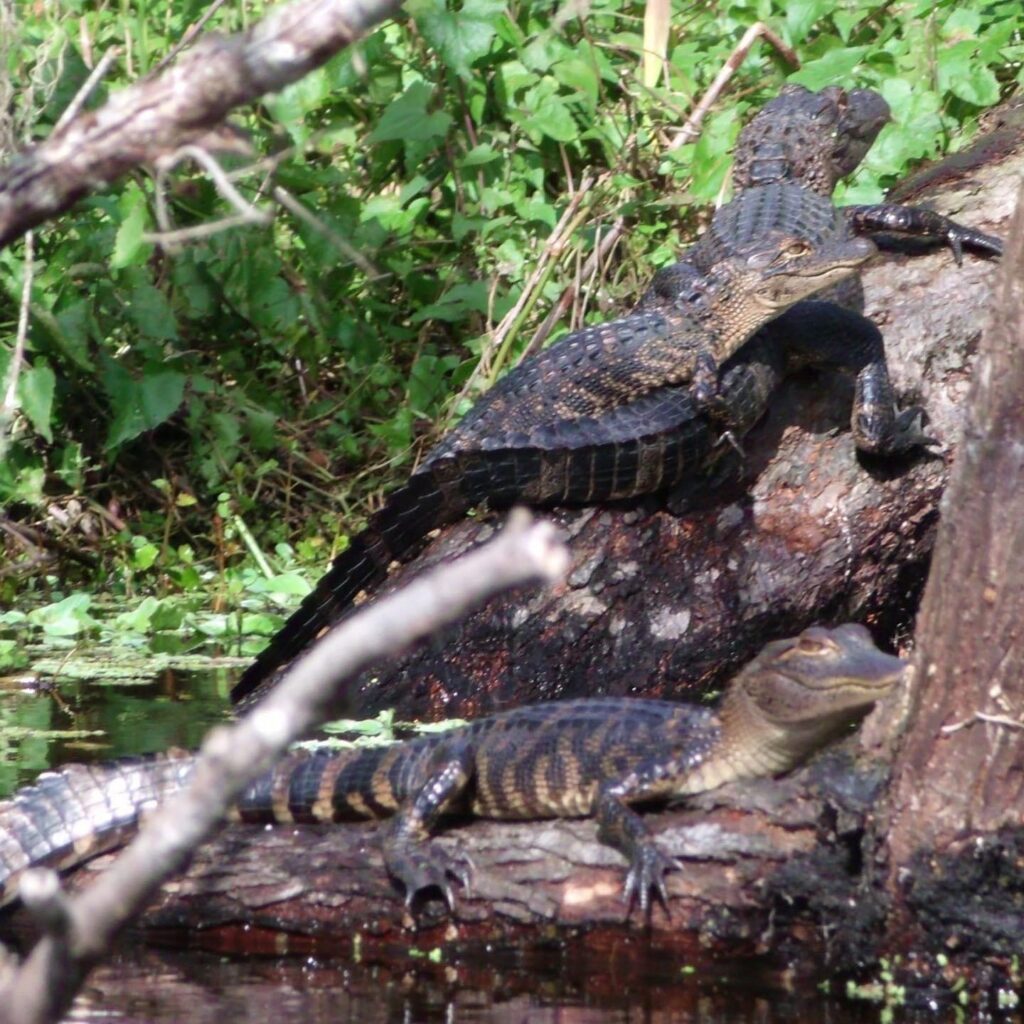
[(198, 987)]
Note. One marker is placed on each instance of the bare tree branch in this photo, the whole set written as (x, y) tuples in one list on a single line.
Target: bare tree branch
[(9, 400), (759, 30), (177, 106), (80, 931)]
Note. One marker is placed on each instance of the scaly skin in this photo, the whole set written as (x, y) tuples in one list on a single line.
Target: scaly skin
[(607, 412), (562, 759), (602, 414), (788, 161)]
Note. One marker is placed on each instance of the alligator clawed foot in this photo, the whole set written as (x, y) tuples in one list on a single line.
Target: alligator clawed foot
[(705, 383), (908, 430), (430, 867), (958, 236), (729, 437), (646, 874)]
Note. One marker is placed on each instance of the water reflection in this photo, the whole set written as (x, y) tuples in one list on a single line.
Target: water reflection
[(197, 987), (95, 720)]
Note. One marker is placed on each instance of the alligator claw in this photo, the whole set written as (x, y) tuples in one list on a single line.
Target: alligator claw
[(956, 243), (958, 236), (647, 872), (430, 868), (908, 430), (705, 384)]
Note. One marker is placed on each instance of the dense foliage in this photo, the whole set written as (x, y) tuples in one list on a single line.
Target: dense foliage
[(212, 416)]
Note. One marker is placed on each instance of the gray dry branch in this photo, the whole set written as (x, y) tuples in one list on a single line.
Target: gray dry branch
[(177, 107), (78, 932)]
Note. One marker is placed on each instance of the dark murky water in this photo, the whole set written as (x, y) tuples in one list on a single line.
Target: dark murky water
[(162, 986)]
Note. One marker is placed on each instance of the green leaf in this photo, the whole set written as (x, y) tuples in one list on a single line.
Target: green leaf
[(833, 68), (291, 106), (292, 584), (12, 656), (64, 618), (145, 555), (580, 75), (141, 405), (129, 248), (460, 37), (406, 118), (35, 391), (480, 155), (961, 73), (152, 313), (546, 112), (802, 14)]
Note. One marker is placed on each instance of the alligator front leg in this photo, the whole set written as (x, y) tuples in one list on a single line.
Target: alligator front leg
[(409, 855), (657, 777), (915, 222), (822, 334), (625, 831)]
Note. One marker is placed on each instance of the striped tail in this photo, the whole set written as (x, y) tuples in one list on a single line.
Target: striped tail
[(75, 813), (393, 533), (67, 817)]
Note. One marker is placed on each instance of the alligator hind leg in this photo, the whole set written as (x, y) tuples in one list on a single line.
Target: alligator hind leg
[(409, 855), (915, 222)]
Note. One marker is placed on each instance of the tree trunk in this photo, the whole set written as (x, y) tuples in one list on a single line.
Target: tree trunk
[(954, 811)]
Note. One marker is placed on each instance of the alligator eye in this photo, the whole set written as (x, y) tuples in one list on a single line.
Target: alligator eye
[(796, 249), (806, 645)]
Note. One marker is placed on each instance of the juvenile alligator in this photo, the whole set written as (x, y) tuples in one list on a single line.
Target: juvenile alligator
[(557, 760), (788, 162), (808, 141), (603, 414)]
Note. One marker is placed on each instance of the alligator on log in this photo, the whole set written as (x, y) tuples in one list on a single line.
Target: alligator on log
[(811, 533), (659, 604)]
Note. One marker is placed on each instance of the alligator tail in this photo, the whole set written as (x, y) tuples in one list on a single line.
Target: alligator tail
[(67, 817), (393, 533), (77, 812)]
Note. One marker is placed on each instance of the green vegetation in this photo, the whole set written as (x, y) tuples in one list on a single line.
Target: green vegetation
[(210, 424)]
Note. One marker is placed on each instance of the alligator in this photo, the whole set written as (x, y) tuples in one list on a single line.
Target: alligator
[(789, 159), (562, 759), (804, 143), (604, 413)]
